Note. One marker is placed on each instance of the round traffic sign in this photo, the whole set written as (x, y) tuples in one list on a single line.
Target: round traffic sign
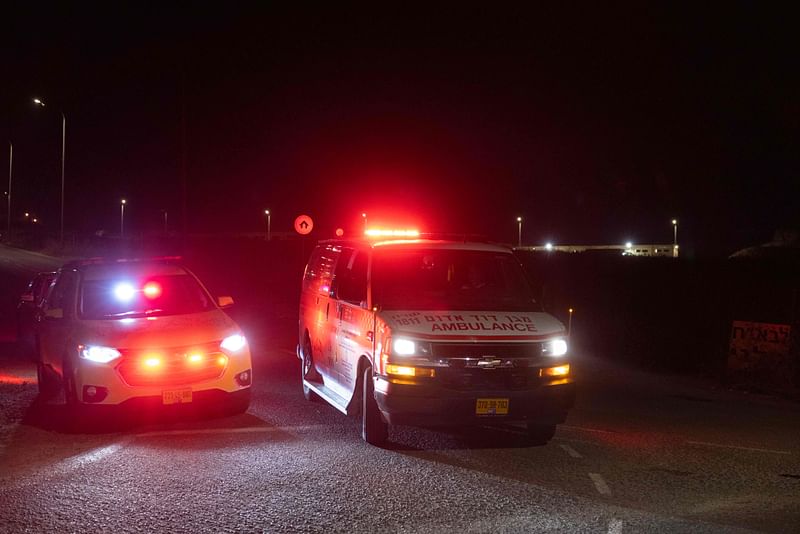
[(303, 225)]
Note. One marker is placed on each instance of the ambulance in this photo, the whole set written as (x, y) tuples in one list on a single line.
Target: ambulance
[(402, 329)]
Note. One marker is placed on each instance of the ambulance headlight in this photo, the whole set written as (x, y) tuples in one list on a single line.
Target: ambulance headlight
[(555, 347), (406, 347), (98, 354), (233, 343)]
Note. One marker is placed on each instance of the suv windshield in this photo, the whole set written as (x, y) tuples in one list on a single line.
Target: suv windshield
[(450, 279), (153, 296)]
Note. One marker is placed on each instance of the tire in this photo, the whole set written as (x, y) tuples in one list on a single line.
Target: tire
[(47, 381), (70, 387), (374, 429), (307, 370), (239, 403), (540, 434)]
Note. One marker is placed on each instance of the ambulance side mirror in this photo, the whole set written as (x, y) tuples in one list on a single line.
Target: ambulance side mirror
[(225, 301)]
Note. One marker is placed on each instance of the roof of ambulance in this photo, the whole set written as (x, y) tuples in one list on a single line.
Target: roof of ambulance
[(421, 244)]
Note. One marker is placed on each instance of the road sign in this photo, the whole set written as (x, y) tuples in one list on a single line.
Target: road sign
[(303, 225)]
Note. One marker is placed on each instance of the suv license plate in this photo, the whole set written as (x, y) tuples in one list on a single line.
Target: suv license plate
[(176, 396), (491, 407)]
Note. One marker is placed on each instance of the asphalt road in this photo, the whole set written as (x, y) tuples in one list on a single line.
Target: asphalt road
[(639, 453)]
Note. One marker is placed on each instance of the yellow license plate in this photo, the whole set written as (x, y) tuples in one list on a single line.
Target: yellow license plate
[(176, 396), (491, 407)]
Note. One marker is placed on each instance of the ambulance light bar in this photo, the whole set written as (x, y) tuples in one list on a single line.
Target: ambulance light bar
[(375, 232)]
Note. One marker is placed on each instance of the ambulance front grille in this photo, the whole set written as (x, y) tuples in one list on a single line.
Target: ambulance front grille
[(484, 350)]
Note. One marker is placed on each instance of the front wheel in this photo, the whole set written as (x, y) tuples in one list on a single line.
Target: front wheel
[(540, 434), (374, 429), (46, 380), (70, 386), (306, 371)]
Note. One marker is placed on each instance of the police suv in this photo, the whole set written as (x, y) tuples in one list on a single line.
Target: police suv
[(122, 331), (406, 330)]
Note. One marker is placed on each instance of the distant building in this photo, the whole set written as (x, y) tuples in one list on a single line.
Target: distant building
[(628, 249)]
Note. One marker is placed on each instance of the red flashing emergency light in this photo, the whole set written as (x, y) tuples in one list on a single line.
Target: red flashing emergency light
[(376, 232), (152, 290)]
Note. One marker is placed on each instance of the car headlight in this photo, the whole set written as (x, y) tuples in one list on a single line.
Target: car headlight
[(556, 347), (97, 353), (233, 343)]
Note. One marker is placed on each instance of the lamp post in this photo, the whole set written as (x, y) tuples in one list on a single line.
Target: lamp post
[(10, 167), (269, 225), (122, 217), (674, 238), (519, 231), (364, 216), (41, 103)]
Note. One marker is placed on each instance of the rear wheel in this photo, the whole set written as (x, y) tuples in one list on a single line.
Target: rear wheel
[(540, 434), (374, 429), (307, 371)]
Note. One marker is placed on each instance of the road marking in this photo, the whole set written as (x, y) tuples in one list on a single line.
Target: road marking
[(588, 429), (737, 447), (572, 452), (600, 484), (615, 526), (242, 430)]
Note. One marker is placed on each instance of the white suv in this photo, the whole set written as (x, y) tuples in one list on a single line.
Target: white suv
[(116, 332)]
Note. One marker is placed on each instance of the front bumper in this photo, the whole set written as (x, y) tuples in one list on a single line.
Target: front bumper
[(117, 391), (424, 405)]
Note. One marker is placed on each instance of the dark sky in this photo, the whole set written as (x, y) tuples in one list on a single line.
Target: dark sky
[(596, 125)]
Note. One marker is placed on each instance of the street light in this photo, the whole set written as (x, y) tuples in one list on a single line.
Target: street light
[(269, 225), (364, 216), (165, 221), (519, 231), (10, 160), (674, 238), (39, 102), (548, 246), (122, 217)]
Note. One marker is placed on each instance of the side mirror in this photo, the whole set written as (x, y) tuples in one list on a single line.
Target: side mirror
[(225, 301), (26, 297), (54, 313)]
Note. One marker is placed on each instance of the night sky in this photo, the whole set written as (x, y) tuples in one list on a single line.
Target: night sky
[(596, 125)]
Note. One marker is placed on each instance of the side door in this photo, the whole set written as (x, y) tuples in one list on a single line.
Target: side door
[(353, 319), (58, 314), (316, 309)]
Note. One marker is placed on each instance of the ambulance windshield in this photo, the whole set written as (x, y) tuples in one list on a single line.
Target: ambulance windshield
[(450, 279)]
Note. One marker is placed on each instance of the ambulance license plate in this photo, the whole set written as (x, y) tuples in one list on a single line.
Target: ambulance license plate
[(176, 396), (491, 407)]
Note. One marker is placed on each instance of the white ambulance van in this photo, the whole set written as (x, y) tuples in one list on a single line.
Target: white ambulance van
[(413, 331)]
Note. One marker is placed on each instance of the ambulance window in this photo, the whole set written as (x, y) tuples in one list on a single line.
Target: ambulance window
[(319, 273), (352, 278)]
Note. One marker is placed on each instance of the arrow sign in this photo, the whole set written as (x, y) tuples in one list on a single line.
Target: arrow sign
[(303, 225)]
